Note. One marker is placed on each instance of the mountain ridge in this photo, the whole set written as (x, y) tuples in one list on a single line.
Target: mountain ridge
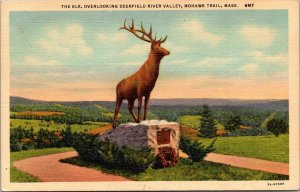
[(168, 102)]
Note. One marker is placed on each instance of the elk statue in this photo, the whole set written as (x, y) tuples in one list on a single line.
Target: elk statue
[(141, 83)]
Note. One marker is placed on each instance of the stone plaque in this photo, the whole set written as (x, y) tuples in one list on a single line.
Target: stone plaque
[(163, 137)]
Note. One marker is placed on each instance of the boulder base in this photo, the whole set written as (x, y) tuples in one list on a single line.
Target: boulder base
[(154, 134)]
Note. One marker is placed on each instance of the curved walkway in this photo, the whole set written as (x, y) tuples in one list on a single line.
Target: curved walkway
[(49, 169), (246, 162), (250, 163)]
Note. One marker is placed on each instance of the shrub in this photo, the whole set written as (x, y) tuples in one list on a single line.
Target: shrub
[(87, 146), (248, 132), (107, 152), (196, 150), (90, 149), (277, 126), (135, 160), (15, 145)]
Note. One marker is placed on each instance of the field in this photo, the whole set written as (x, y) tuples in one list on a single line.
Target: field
[(261, 147), (193, 121), (38, 113), (38, 124), (185, 170), (19, 176), (266, 147)]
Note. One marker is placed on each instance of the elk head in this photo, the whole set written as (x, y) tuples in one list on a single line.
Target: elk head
[(143, 35)]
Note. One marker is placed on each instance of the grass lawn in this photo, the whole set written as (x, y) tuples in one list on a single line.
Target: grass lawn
[(193, 121), (266, 147), (261, 147), (20, 176), (186, 171), (38, 124)]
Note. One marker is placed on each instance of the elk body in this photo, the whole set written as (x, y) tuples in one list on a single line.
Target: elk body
[(141, 83)]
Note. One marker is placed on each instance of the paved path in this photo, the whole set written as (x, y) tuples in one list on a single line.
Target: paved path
[(250, 163), (49, 169), (246, 162)]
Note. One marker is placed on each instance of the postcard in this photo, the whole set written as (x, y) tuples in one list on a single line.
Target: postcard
[(149, 95)]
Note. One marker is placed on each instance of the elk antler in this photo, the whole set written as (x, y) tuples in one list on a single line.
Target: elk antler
[(143, 32)]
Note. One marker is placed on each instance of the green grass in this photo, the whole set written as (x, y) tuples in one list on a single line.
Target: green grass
[(20, 176), (261, 147), (185, 171), (193, 121), (52, 126)]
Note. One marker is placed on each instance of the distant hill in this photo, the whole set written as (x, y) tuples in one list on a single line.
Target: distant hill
[(266, 104)]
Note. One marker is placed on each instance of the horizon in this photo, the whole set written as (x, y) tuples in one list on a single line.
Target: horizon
[(232, 99), (64, 56)]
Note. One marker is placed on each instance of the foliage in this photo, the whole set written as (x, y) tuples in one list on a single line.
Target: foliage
[(67, 137), (277, 126), (135, 160), (107, 152), (17, 136), (207, 126), (110, 155), (87, 147), (233, 123), (24, 139), (196, 150), (267, 119), (184, 171), (46, 139), (248, 132)]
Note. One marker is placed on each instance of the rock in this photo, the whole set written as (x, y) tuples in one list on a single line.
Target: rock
[(154, 134)]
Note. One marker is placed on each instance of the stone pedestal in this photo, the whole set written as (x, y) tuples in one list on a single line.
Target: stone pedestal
[(156, 134)]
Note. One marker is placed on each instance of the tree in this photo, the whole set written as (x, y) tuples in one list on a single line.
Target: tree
[(277, 126), (67, 135), (233, 123), (207, 125)]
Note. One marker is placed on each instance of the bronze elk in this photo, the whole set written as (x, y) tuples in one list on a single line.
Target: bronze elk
[(141, 83)]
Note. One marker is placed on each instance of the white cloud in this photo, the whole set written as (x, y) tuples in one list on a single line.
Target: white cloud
[(174, 48), (218, 87), (197, 33), (249, 68), (259, 37), (35, 61), (103, 38), (214, 62), (273, 59), (138, 49), (65, 42)]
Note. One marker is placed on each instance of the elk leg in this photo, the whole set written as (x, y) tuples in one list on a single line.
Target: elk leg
[(146, 106), (130, 108), (117, 109), (140, 101)]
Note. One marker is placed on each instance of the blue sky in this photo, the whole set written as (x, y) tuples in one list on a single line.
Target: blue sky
[(214, 54)]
